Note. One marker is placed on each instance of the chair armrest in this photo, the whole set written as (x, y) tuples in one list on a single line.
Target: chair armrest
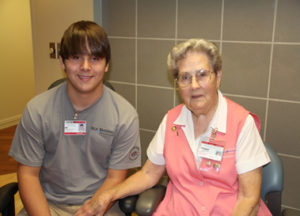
[(7, 193), (149, 200), (127, 204)]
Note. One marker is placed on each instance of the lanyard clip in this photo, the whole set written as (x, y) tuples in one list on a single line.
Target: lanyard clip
[(214, 131)]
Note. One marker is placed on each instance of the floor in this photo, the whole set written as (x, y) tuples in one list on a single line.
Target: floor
[(8, 166)]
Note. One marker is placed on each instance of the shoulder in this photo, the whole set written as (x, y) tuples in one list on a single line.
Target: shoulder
[(238, 112), (235, 110), (175, 112), (46, 100), (235, 106), (117, 103), (176, 109)]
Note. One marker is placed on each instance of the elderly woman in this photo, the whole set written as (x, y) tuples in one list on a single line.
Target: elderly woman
[(209, 145)]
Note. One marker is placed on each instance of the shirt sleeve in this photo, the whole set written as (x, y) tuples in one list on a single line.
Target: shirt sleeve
[(155, 150), (27, 146), (126, 151), (251, 152)]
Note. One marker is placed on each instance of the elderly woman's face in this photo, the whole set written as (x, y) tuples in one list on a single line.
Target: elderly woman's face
[(200, 96)]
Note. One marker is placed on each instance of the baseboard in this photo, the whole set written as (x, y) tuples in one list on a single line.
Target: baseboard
[(11, 121)]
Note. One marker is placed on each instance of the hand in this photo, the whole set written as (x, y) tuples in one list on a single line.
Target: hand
[(96, 206)]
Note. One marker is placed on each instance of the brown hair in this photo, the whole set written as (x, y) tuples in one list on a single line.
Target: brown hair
[(84, 35)]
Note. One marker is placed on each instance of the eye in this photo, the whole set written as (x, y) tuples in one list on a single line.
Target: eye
[(202, 73), (74, 57), (185, 77), (95, 58)]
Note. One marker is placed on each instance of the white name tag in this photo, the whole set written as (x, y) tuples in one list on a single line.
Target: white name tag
[(212, 152), (75, 127)]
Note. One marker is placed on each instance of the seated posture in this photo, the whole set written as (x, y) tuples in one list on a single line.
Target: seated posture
[(77, 139), (209, 145)]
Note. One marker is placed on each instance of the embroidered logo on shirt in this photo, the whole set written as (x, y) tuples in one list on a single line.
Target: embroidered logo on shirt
[(103, 131), (134, 153)]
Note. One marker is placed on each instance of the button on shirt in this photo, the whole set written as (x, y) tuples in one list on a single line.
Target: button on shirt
[(250, 150)]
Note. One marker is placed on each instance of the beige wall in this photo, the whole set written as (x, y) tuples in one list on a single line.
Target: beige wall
[(16, 60), (27, 27), (49, 20)]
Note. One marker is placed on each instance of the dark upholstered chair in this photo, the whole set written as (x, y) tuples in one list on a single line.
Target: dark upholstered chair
[(7, 201), (272, 186)]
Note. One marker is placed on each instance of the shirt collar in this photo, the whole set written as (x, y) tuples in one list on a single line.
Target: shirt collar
[(219, 120)]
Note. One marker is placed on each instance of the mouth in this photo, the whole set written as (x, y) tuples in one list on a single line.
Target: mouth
[(197, 96), (84, 78)]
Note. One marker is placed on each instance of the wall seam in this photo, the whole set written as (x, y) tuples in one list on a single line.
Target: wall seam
[(136, 54), (270, 72)]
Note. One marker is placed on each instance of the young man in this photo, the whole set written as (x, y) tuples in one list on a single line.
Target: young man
[(79, 138)]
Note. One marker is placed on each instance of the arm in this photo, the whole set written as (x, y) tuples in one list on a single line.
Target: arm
[(31, 191), (249, 193), (148, 176), (113, 178)]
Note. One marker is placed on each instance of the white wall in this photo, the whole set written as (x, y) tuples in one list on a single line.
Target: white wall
[(50, 18)]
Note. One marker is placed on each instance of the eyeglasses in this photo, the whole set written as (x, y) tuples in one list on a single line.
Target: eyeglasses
[(201, 76)]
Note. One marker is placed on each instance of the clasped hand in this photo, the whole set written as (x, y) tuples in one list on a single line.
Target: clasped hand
[(96, 206)]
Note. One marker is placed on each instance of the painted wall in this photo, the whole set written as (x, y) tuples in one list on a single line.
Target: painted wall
[(27, 27), (260, 46), (50, 18), (16, 60)]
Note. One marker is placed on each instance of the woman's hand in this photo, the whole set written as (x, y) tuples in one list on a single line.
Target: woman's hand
[(96, 206)]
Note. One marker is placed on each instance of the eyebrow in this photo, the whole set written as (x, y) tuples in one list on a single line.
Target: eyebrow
[(202, 69)]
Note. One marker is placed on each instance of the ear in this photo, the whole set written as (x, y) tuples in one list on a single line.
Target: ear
[(106, 67), (219, 78), (62, 64)]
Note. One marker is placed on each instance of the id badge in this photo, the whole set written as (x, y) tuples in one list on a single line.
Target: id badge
[(210, 151), (75, 127), (210, 154)]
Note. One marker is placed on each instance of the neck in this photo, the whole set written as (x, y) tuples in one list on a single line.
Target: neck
[(82, 100), (201, 120)]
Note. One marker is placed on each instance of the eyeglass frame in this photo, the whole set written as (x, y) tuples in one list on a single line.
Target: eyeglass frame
[(192, 76)]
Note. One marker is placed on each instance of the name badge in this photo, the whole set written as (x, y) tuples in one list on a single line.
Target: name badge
[(209, 151), (75, 127)]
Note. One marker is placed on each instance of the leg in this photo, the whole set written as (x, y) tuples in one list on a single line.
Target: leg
[(115, 210)]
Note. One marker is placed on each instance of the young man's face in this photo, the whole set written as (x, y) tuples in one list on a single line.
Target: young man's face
[(85, 73)]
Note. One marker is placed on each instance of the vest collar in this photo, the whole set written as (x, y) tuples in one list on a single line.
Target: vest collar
[(218, 121)]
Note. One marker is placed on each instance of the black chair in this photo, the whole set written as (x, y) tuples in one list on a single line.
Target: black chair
[(7, 200), (57, 82), (272, 186)]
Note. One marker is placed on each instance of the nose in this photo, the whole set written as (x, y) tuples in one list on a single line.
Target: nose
[(195, 84), (85, 65)]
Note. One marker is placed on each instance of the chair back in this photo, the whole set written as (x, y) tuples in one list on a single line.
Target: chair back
[(272, 182)]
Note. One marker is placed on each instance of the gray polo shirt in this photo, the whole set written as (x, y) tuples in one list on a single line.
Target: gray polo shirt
[(73, 167)]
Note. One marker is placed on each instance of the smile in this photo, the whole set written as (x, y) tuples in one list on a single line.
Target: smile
[(84, 77)]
